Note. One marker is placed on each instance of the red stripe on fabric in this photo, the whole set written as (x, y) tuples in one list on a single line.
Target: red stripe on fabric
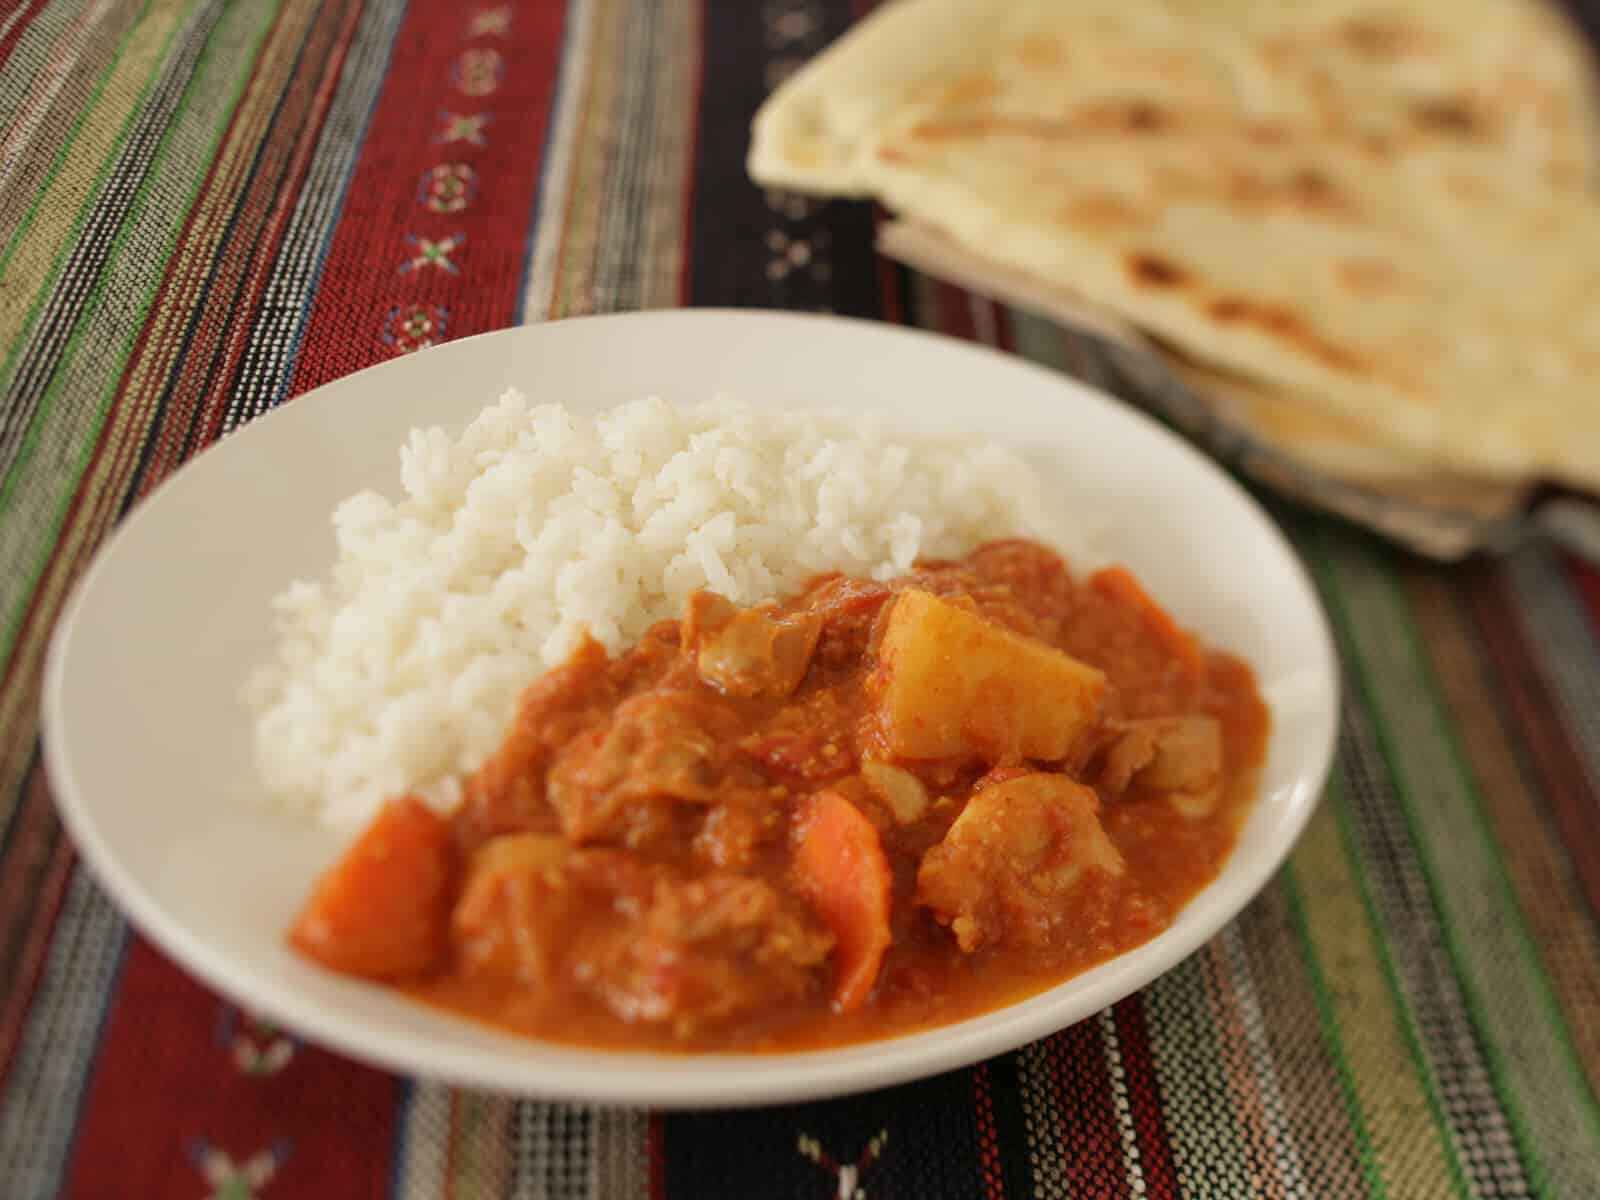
[(452, 1144), (287, 197), (251, 247), (110, 497), (317, 1119), (14, 34), (1082, 1090), (889, 280), (1005, 337), (51, 891), (989, 1169), (691, 176), (656, 1156), (985, 314), (952, 311), (381, 294), (1528, 701), (1144, 1095), (183, 251), (1587, 579), (30, 962)]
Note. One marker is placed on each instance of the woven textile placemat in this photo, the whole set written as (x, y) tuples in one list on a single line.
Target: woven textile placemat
[(207, 208)]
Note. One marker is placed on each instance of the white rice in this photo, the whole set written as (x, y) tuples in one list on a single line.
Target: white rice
[(402, 669)]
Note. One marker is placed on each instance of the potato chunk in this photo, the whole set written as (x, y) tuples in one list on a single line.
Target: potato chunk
[(951, 683), (1013, 854)]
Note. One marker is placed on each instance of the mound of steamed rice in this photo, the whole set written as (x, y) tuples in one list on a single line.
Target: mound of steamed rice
[(401, 671)]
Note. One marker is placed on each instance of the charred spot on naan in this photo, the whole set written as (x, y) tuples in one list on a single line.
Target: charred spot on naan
[(1139, 116), (1313, 190), (1385, 39), (1452, 116), (1285, 325), (1304, 190), (1155, 271)]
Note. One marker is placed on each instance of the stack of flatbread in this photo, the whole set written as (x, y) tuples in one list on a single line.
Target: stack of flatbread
[(1367, 234)]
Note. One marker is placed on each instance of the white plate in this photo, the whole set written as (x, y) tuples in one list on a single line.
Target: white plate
[(148, 746)]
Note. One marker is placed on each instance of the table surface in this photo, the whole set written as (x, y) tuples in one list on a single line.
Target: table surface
[(208, 208)]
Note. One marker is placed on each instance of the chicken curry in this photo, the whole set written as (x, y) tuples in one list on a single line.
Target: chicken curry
[(871, 808)]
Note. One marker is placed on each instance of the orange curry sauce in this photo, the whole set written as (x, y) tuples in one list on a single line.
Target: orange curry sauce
[(872, 808)]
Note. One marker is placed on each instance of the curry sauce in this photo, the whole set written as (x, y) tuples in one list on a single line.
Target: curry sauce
[(871, 808)]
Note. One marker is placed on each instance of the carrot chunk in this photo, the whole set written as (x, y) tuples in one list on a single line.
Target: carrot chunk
[(1118, 584), (383, 911), (843, 873)]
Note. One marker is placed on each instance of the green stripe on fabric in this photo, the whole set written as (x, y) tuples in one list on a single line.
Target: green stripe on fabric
[(179, 163), (1037, 339), (1396, 1117), (1521, 811), (1531, 1063), (1416, 1004), (1316, 1125), (33, 51), (107, 158), (1187, 1007), (81, 61), (1404, 1017), (47, 41), (1329, 1020)]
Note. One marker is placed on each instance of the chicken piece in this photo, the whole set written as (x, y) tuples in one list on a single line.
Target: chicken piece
[(706, 950), (1179, 758), (507, 793), (623, 781), (517, 897), (736, 828), (703, 614), (950, 683), (758, 653), (1004, 869), (527, 896)]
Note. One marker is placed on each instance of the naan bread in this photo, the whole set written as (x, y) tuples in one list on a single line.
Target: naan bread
[(1302, 450), (1381, 208)]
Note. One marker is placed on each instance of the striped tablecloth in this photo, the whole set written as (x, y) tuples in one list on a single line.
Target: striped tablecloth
[(207, 208)]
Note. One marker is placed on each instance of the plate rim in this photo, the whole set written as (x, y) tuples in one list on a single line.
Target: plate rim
[(634, 1077)]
